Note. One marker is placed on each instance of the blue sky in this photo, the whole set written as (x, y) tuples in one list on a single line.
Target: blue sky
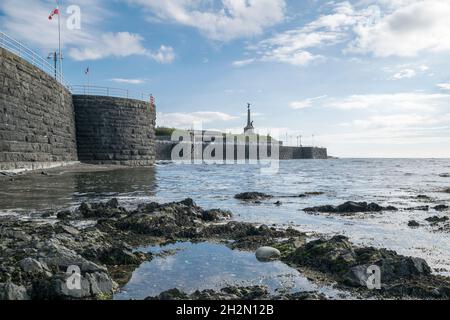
[(367, 78)]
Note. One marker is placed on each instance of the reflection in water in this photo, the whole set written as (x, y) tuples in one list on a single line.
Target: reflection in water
[(211, 266), (54, 191)]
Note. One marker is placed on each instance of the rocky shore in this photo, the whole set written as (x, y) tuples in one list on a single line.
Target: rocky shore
[(99, 238)]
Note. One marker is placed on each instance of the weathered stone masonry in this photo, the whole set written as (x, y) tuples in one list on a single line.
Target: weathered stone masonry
[(38, 123), (115, 130)]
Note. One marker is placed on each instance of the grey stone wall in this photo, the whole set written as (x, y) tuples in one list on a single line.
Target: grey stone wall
[(164, 152), (37, 122), (115, 130)]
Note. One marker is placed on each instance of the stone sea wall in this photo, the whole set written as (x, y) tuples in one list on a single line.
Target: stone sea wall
[(164, 152), (115, 130), (37, 121)]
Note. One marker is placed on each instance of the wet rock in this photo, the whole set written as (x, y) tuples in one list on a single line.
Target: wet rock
[(62, 228), (311, 194), (229, 293), (56, 288), (64, 215), (278, 203), (10, 291), (413, 224), (252, 196), (101, 210), (265, 254), (48, 214), (420, 208), (15, 234), (121, 256), (351, 207), (441, 208), (447, 190), (444, 175), (349, 265), (215, 215), (437, 219), (32, 266), (423, 197), (188, 202), (60, 258), (148, 207), (170, 295), (235, 293), (334, 255)]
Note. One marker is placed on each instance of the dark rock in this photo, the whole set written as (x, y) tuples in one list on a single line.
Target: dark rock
[(338, 256), (100, 210), (437, 219), (441, 207), (55, 288), (252, 196), (148, 207), (188, 202), (64, 215), (351, 207), (12, 292), (413, 224), (424, 197), (420, 208), (215, 215), (444, 175), (120, 256), (113, 204), (172, 294), (32, 266), (278, 203)]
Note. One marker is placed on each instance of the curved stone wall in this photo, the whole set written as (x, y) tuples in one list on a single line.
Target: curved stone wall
[(37, 122), (115, 130)]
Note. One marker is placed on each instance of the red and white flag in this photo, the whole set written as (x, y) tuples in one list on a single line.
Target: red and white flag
[(53, 13)]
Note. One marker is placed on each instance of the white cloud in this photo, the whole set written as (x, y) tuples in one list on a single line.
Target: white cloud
[(163, 55), (121, 44), (397, 120), (407, 101), (411, 28), (27, 20), (242, 63), (383, 28), (405, 74), (128, 81), (184, 120), (306, 103), (294, 46), (445, 86), (222, 20)]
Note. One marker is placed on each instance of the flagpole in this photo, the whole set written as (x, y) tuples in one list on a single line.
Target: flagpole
[(59, 40)]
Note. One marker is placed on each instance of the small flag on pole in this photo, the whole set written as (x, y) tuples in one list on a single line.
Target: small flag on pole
[(53, 13), (87, 71)]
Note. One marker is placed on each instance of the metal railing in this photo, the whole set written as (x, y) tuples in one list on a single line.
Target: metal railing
[(109, 92), (17, 48), (14, 46)]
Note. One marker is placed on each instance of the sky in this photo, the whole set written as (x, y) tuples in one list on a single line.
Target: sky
[(364, 78)]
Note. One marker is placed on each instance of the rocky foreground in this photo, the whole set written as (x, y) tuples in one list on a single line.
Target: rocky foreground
[(35, 256)]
